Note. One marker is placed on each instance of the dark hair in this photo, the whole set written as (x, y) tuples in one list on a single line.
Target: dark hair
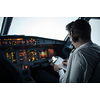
[(68, 26), (82, 29)]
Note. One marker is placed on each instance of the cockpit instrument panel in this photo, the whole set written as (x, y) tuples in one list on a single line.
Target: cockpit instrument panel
[(17, 41), (32, 55), (11, 56), (43, 54), (22, 55), (27, 52), (51, 53)]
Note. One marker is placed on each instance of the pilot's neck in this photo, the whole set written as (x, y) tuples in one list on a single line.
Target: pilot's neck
[(80, 42)]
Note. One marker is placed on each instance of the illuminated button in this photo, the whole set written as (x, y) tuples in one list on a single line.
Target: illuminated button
[(34, 40), (26, 67), (33, 58), (6, 42), (3, 42), (0, 44), (23, 67), (9, 42)]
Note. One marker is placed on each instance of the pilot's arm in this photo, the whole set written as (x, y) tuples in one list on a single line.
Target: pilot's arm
[(58, 67), (65, 62), (75, 69)]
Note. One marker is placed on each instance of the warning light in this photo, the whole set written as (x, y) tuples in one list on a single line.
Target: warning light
[(26, 67)]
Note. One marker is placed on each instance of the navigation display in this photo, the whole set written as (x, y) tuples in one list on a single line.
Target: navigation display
[(11, 56), (51, 53), (32, 55), (43, 54)]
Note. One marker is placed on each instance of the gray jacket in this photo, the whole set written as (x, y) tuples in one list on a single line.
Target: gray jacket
[(81, 64)]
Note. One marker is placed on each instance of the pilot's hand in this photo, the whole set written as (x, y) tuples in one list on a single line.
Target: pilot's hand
[(65, 62), (57, 67), (52, 64)]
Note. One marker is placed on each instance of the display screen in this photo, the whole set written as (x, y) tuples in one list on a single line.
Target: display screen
[(32, 55), (51, 53), (22, 56), (43, 54), (11, 56)]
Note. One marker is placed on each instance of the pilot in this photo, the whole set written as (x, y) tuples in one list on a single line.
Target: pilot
[(83, 60)]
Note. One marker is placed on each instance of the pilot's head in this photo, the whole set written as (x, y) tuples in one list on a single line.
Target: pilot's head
[(79, 32)]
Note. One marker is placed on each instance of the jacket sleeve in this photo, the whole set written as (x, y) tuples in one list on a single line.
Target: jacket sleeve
[(75, 69), (78, 66), (63, 76)]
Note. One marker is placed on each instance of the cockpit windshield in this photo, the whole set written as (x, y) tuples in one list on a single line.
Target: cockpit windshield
[(47, 27), (1, 21)]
